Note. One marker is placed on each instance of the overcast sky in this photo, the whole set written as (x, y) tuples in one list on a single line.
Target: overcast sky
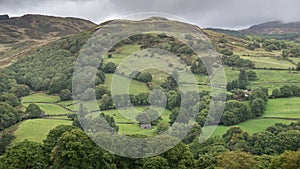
[(232, 14)]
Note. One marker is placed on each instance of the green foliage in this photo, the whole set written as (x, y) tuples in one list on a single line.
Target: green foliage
[(287, 160), (258, 106), (235, 112), (109, 67), (144, 77), (100, 91), (6, 139), (34, 111), (10, 98), (156, 163), (50, 67), (236, 160), (88, 155), (161, 128), (8, 115), (298, 66), (227, 52), (24, 155), (65, 95), (237, 61), (243, 79), (106, 102), (148, 116)]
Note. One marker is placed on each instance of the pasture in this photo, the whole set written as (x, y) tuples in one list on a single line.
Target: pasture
[(269, 62), (135, 87), (40, 97), (250, 126), (283, 107), (37, 129)]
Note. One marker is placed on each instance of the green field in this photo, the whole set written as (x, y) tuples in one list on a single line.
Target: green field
[(37, 129), (40, 97), (268, 62), (121, 54), (52, 109), (283, 107), (251, 126), (135, 87), (130, 115), (127, 129), (295, 60)]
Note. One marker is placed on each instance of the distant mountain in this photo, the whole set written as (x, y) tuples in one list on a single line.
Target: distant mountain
[(271, 30), (19, 34), (276, 29), (39, 27), (234, 33)]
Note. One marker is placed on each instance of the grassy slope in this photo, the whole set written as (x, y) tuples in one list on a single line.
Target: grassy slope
[(129, 116), (40, 97), (37, 129), (251, 126), (283, 108), (135, 87)]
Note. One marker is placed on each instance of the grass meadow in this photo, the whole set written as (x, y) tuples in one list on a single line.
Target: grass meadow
[(37, 129)]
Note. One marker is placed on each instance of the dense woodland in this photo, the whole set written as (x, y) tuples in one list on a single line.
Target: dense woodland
[(50, 69)]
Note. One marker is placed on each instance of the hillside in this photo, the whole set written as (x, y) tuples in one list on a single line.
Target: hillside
[(276, 29), (258, 122), (19, 34)]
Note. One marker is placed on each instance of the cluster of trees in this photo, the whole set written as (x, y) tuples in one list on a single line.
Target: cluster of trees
[(242, 81), (292, 52), (198, 67), (236, 109), (237, 61), (70, 147), (272, 44), (286, 91), (276, 147), (50, 68), (143, 77), (149, 116)]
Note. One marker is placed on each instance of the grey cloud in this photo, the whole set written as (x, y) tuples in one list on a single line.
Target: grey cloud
[(205, 13)]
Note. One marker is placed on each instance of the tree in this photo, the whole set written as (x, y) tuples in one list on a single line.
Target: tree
[(179, 157), (21, 90), (144, 77), (298, 66), (148, 116), (65, 95), (106, 102), (251, 75), (75, 150), (243, 79), (10, 98), (161, 127), (258, 106), (24, 155), (276, 93), (287, 160), (285, 54), (236, 160), (5, 140), (34, 111), (100, 91), (110, 67), (54, 135), (286, 91), (227, 52), (156, 163), (8, 115)]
